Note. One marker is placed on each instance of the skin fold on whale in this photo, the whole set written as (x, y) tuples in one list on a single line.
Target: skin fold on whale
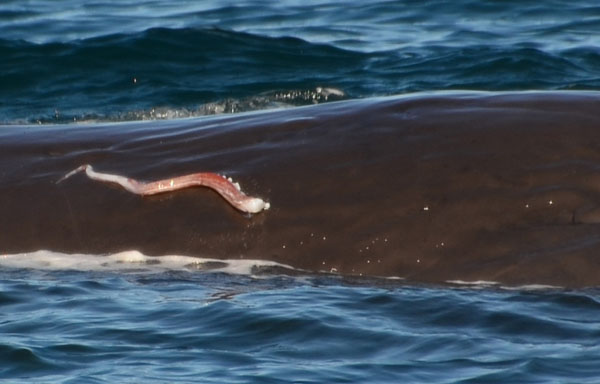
[(429, 187)]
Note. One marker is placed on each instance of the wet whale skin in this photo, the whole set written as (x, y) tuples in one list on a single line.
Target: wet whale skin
[(428, 187)]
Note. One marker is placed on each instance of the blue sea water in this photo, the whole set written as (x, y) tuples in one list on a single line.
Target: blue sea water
[(86, 326), (73, 60)]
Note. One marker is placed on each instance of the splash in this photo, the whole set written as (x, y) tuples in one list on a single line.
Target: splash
[(132, 261)]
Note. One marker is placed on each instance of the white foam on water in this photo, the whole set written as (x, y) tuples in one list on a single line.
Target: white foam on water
[(532, 287), (133, 261), (472, 283), (486, 284)]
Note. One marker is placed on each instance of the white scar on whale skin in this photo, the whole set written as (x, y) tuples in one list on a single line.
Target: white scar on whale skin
[(225, 187)]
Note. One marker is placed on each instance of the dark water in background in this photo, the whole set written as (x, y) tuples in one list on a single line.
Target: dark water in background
[(76, 60), (89, 60)]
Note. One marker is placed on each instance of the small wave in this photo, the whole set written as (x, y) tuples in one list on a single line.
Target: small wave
[(485, 284), (268, 100), (164, 73), (22, 361), (134, 261)]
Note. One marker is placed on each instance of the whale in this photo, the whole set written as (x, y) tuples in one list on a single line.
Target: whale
[(429, 187)]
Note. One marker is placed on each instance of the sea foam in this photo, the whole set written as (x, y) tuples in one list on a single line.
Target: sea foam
[(132, 261)]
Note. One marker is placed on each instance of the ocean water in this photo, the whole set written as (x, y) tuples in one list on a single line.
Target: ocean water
[(146, 325), (94, 60), (66, 320)]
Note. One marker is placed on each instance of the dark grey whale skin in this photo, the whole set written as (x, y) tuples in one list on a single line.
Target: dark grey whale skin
[(429, 187)]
